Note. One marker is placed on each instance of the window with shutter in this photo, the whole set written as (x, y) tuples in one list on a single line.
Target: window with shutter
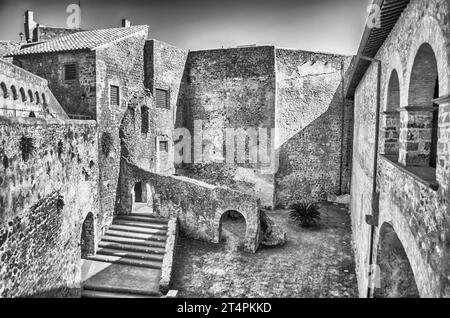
[(164, 146), (162, 98), (114, 98), (70, 72)]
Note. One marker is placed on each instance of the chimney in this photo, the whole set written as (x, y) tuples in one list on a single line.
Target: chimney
[(126, 23), (30, 26)]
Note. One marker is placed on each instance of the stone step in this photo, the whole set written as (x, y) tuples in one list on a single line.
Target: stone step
[(149, 237), (147, 215), (119, 289), (134, 229), (131, 241), (125, 261), (140, 218), (131, 247), (102, 294), (146, 225), (130, 254)]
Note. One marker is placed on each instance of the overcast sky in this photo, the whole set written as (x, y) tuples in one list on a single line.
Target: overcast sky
[(316, 25)]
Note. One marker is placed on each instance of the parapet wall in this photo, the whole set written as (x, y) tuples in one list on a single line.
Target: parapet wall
[(48, 184), (197, 205), (23, 94)]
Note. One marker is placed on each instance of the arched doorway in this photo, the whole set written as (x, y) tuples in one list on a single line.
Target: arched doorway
[(88, 236), (396, 276), (232, 230), (138, 193), (143, 198)]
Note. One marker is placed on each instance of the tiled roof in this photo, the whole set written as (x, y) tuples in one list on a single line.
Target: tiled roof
[(87, 40)]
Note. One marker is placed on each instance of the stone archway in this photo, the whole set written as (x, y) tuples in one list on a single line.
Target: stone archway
[(142, 197), (87, 241), (396, 278), (233, 225), (251, 241)]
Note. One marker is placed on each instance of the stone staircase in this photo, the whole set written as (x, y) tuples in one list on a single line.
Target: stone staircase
[(129, 259)]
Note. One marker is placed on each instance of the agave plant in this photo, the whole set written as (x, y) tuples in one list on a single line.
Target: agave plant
[(305, 214)]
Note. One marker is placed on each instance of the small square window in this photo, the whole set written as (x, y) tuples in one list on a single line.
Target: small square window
[(70, 72), (114, 95), (164, 146), (162, 98)]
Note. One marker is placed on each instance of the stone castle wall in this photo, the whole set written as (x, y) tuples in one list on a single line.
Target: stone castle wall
[(23, 94), (119, 65), (228, 88), (164, 69), (310, 115), (77, 97), (48, 184), (416, 210)]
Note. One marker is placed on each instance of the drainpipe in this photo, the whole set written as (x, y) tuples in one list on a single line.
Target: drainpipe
[(342, 127), (372, 220)]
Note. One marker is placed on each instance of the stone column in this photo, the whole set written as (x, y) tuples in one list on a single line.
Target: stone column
[(415, 135), (443, 151), (390, 133)]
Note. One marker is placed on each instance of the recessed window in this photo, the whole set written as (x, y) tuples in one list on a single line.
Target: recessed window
[(164, 146), (70, 72), (114, 95), (14, 92), (162, 98), (144, 119)]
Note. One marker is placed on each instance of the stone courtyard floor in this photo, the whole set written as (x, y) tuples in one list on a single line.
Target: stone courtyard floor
[(314, 262)]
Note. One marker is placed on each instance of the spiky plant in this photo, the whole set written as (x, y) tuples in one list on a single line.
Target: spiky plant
[(305, 214)]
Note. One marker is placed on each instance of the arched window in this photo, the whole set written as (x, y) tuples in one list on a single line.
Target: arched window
[(32, 114), (419, 144), (44, 99), (4, 90), (38, 99), (14, 92), (396, 277), (23, 95), (393, 97), (423, 77), (30, 95), (391, 119)]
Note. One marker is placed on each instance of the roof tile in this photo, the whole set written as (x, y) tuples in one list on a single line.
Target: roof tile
[(86, 40)]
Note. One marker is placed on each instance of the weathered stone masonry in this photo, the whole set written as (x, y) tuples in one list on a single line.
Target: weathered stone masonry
[(312, 120), (298, 93), (414, 202), (48, 183)]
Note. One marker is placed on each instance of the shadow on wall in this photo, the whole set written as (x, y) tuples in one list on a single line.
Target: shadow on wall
[(315, 162)]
